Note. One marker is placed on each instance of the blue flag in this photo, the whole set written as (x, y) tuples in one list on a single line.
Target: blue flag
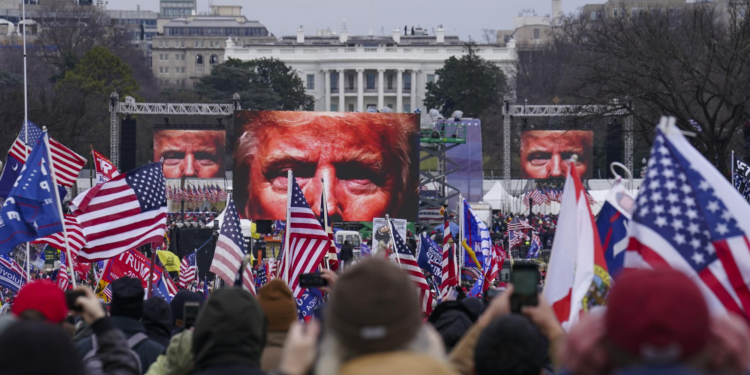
[(431, 258), (310, 299), (366, 251), (31, 209), (12, 276), (612, 224), (536, 245), (205, 288), (160, 290), (475, 232)]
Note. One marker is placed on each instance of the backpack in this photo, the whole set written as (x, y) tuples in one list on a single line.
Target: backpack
[(92, 361)]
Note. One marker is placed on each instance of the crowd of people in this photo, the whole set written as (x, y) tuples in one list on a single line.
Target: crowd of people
[(656, 322)]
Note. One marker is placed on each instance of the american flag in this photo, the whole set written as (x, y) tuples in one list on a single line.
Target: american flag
[(518, 224), (406, 261), (108, 292), (516, 237), (230, 247), (689, 217), (63, 280), (449, 278), (123, 213), (543, 197), (248, 281), (188, 269), (67, 163), (262, 275), (308, 242), (10, 264), (272, 268), (75, 237)]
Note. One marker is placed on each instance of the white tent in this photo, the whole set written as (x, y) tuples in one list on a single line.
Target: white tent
[(497, 196), (245, 224)]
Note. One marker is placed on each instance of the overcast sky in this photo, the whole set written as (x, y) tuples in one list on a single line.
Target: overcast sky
[(459, 17)]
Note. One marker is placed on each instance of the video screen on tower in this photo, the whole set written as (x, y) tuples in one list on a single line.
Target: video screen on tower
[(369, 161), (543, 153), (194, 152)]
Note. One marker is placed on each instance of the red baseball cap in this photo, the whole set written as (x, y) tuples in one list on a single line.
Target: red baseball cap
[(658, 316), (43, 296)]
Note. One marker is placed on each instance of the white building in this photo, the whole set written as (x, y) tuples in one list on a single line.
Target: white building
[(354, 73)]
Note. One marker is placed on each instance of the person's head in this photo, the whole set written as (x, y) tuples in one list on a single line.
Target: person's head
[(157, 316), (510, 345), (38, 348), (231, 329), (544, 152), (190, 153), (278, 305), (346, 242), (381, 319), (366, 160), (177, 305), (656, 317), (127, 298), (40, 300)]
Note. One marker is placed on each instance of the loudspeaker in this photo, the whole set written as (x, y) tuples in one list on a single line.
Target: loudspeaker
[(263, 226), (186, 240), (615, 148), (127, 144)]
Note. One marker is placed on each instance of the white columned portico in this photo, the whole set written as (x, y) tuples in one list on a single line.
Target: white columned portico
[(413, 90), (360, 90), (327, 78), (380, 89), (342, 89), (399, 91)]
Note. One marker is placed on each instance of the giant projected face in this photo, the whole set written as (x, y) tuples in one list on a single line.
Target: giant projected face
[(369, 162), (191, 153), (544, 153)]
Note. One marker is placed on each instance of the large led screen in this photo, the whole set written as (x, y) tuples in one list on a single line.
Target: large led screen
[(544, 153), (369, 162), (198, 153)]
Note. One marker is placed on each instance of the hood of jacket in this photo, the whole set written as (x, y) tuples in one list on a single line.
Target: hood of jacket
[(157, 318), (396, 363), (452, 320), (231, 329), (180, 358)]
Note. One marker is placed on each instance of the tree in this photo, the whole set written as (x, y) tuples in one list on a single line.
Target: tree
[(265, 84), (100, 73), (470, 84), (692, 63)]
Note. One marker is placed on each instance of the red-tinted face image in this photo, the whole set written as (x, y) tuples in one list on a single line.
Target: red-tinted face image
[(368, 162), (191, 153), (544, 153)]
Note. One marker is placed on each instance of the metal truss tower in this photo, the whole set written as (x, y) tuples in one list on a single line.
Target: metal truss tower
[(131, 107)]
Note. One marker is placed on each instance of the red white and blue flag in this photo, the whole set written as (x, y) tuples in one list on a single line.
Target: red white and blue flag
[(404, 258), (122, 214), (449, 272), (75, 237), (12, 275), (188, 270), (536, 246), (308, 241), (230, 247), (690, 218), (63, 280)]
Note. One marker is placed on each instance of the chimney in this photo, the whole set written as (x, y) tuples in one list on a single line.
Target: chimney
[(440, 34), (301, 35), (343, 36), (397, 35), (557, 11)]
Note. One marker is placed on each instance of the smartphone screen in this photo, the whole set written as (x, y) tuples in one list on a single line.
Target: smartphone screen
[(190, 314), (525, 281)]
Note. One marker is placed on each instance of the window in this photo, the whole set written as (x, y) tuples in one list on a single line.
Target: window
[(430, 78), (199, 59), (214, 60), (166, 70), (536, 34), (370, 81), (199, 71), (161, 57), (177, 57), (407, 108), (390, 82), (407, 82), (182, 44), (351, 107), (311, 81), (351, 81), (334, 108), (593, 15), (182, 70), (334, 81)]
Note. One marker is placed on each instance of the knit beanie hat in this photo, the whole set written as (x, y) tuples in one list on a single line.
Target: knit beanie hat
[(178, 304), (127, 298), (658, 316), (43, 296), (278, 304), (374, 308)]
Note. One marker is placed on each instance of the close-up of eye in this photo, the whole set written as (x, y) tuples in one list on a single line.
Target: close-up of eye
[(539, 158)]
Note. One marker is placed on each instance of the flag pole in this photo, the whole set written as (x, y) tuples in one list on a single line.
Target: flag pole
[(286, 255), (392, 228), (461, 227), (324, 212), (732, 170), (71, 262)]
